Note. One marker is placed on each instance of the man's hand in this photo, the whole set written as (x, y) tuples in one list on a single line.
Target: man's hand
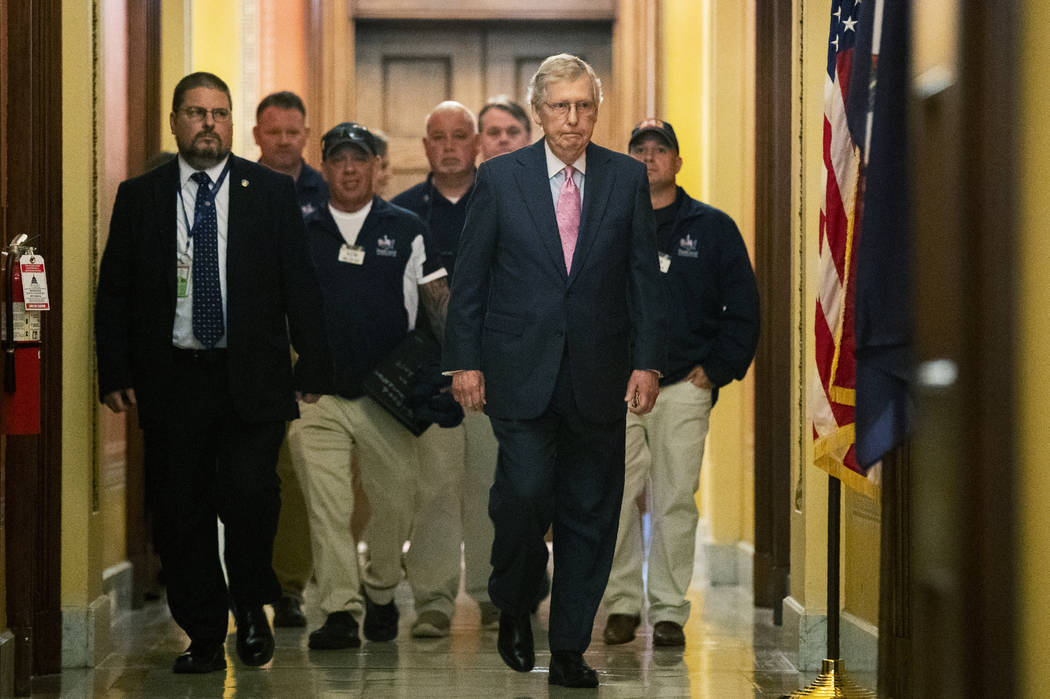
[(307, 397), (642, 389), (698, 378), (468, 388), (120, 401)]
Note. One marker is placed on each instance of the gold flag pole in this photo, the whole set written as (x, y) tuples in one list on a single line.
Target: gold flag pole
[(832, 680)]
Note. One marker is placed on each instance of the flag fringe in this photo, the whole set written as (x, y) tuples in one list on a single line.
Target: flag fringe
[(843, 396), (850, 478)]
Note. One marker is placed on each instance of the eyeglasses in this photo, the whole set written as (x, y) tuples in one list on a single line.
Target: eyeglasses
[(584, 108), (219, 115)]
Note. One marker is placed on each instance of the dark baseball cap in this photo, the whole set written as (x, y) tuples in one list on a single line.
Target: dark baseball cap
[(349, 133), (656, 126)]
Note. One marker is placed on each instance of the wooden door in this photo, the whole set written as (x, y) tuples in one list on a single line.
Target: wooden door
[(404, 68)]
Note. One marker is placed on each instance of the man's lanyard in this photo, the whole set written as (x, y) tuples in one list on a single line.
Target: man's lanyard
[(211, 199)]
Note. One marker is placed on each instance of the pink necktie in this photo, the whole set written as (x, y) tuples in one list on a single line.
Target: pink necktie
[(568, 215)]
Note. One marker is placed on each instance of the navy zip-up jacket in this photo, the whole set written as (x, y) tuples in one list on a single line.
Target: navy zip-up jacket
[(364, 304), (711, 295)]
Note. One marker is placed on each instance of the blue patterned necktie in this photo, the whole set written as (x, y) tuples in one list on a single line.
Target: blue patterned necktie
[(207, 295)]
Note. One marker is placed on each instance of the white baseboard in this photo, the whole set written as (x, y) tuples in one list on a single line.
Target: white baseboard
[(804, 638), (86, 639), (729, 564), (745, 564), (7, 664), (118, 583), (858, 643)]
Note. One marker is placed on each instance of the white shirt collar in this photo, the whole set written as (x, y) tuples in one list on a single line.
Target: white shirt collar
[(185, 170), (554, 166)]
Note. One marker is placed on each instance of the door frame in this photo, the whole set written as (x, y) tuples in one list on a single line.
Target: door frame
[(774, 34), (33, 463), (144, 118)]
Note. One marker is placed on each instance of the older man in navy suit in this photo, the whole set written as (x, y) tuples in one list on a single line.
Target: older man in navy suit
[(555, 326)]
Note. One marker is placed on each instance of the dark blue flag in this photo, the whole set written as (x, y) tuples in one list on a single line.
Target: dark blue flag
[(882, 322)]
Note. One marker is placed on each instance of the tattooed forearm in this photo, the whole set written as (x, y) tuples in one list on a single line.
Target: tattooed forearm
[(434, 298)]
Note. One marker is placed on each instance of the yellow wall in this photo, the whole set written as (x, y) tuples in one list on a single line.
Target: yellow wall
[(682, 70), (729, 146), (709, 99), (176, 49), (82, 527), (1034, 371), (218, 39)]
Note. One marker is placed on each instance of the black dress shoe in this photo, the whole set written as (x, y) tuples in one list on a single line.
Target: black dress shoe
[(338, 631), (288, 612), (380, 620), (515, 641), (668, 633), (568, 669), (254, 638), (619, 628), (200, 658)]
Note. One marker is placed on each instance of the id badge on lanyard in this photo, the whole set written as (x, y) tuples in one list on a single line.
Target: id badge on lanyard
[(184, 262), (183, 274)]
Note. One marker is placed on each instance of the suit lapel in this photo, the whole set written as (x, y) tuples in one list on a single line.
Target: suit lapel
[(236, 219), (597, 185), (166, 196), (536, 190)]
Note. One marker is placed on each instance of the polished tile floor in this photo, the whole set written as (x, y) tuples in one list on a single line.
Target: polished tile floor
[(732, 650)]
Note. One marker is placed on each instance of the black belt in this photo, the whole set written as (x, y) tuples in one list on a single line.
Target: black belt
[(199, 356)]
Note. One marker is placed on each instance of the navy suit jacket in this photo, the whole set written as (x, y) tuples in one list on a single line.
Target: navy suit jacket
[(271, 289), (515, 311)]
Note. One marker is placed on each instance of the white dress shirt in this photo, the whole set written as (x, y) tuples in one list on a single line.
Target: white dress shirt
[(182, 332), (556, 173)]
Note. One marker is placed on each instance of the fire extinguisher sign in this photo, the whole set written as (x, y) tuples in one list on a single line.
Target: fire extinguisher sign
[(34, 283)]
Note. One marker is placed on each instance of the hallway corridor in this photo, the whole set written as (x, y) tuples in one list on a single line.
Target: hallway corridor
[(732, 651)]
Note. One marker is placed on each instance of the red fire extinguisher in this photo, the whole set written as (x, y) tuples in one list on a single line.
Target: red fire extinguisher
[(20, 403)]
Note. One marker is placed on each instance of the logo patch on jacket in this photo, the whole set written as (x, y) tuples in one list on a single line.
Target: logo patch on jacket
[(385, 247), (687, 247)]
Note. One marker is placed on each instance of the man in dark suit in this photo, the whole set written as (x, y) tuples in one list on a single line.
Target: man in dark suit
[(555, 311), (204, 275)]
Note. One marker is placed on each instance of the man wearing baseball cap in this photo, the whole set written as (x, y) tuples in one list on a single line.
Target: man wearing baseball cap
[(712, 300), (376, 269)]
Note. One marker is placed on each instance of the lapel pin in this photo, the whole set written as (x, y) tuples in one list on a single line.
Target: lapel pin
[(244, 183)]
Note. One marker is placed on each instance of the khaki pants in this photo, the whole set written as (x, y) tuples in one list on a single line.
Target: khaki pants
[(457, 466), (323, 444), (664, 449)]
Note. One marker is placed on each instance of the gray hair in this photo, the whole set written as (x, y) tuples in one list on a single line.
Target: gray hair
[(563, 66)]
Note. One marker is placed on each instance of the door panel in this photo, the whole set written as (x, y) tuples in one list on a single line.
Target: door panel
[(405, 68)]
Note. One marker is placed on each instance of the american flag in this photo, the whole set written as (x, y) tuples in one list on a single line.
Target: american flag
[(832, 393)]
